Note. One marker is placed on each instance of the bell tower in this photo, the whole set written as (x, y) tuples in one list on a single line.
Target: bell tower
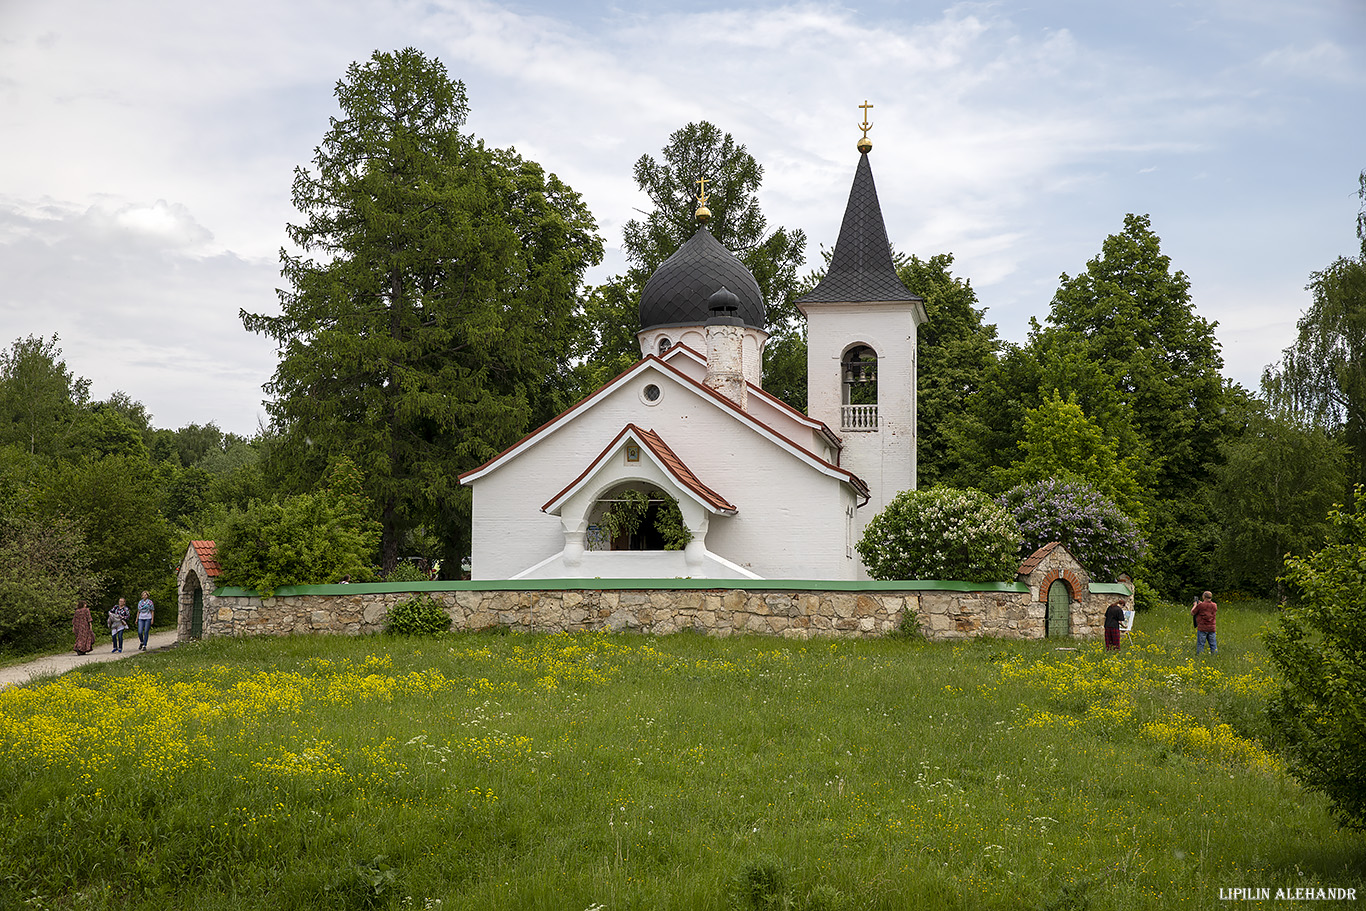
[(861, 324)]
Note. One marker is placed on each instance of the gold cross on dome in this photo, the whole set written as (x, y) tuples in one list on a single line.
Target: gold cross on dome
[(865, 126), (701, 190)]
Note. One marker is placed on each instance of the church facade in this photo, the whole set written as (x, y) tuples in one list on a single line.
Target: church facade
[(687, 440)]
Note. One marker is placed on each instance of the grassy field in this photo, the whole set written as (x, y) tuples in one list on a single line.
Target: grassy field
[(626, 772)]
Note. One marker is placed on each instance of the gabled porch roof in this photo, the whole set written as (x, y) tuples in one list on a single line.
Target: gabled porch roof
[(663, 457)]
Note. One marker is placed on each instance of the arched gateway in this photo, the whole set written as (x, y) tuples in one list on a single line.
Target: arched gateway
[(199, 573)]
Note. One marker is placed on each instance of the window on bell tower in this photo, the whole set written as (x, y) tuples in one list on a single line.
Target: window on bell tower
[(858, 381)]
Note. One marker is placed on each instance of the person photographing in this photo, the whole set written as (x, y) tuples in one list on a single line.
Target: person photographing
[(1203, 611)]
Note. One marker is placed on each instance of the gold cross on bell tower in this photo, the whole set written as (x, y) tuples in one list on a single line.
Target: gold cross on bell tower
[(865, 145)]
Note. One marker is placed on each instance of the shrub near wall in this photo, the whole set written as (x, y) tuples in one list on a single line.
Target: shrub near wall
[(420, 615), (941, 533), (1085, 521)]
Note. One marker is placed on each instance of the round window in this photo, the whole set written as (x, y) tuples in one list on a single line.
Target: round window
[(651, 394)]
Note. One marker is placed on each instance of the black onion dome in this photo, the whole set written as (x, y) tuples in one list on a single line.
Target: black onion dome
[(861, 268), (679, 291)]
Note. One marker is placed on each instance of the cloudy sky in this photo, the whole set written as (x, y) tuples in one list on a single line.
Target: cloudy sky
[(149, 145)]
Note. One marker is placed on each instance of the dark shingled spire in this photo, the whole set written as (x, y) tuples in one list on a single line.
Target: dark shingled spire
[(861, 268)]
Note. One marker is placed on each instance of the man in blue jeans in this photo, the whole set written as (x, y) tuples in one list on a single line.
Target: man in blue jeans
[(1203, 611)]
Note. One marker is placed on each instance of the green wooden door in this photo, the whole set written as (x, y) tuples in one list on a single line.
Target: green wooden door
[(1057, 620), (197, 614)]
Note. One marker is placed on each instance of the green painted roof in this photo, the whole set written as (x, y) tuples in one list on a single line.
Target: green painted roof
[(909, 585)]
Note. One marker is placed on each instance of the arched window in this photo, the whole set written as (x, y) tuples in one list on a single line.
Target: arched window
[(858, 381), (664, 344), (1058, 614)]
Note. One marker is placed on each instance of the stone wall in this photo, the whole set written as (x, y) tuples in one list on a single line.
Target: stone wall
[(800, 614)]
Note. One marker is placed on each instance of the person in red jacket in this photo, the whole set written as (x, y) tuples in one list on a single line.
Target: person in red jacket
[(1203, 611)]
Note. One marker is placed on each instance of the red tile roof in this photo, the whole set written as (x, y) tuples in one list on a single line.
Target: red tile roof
[(681, 472), (1033, 560), (667, 460), (207, 552)]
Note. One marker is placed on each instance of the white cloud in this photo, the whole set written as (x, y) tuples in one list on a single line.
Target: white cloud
[(140, 304), (148, 195), (1325, 60)]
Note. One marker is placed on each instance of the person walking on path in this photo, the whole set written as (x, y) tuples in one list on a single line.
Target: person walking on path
[(81, 626), (1114, 625), (146, 612), (1203, 611), (118, 622)]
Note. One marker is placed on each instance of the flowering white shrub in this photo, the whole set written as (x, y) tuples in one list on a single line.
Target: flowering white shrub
[(942, 533)]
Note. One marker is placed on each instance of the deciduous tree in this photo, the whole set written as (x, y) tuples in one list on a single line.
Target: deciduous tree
[(1130, 314), (117, 503), (1062, 443), (1279, 482), (39, 396), (1323, 374), (1124, 337), (322, 536), (44, 568), (1319, 646), (955, 348)]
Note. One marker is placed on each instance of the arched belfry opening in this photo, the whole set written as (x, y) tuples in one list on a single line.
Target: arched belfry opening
[(858, 385)]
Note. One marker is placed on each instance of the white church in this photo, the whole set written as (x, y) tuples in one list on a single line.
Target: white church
[(764, 491)]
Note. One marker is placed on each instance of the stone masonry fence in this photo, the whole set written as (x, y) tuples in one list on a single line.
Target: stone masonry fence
[(791, 609)]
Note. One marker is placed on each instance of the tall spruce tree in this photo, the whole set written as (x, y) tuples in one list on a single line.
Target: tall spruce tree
[(428, 317), (733, 177)]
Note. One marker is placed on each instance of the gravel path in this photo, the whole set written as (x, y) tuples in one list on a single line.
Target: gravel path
[(60, 664)]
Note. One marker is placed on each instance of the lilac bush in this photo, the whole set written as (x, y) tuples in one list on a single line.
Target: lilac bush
[(1084, 520), (941, 533)]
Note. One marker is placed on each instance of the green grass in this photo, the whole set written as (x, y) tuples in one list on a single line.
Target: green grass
[(620, 772)]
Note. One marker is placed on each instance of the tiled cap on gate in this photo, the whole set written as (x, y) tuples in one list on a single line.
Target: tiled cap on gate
[(207, 552), (1032, 562)]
